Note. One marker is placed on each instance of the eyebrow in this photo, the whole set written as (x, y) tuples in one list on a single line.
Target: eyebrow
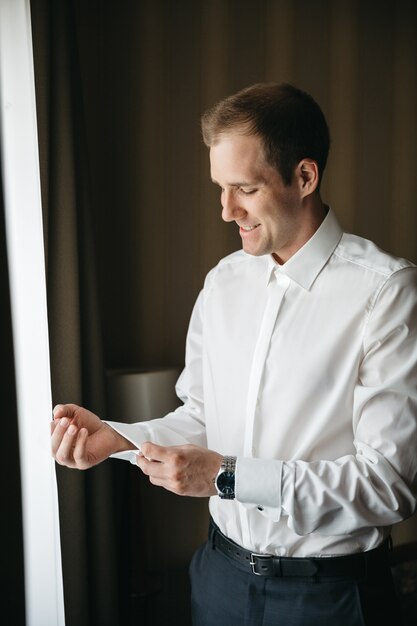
[(240, 184)]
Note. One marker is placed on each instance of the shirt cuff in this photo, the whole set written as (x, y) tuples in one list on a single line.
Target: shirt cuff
[(258, 484), (135, 433)]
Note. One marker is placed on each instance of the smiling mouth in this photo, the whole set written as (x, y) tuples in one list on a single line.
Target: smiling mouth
[(249, 228)]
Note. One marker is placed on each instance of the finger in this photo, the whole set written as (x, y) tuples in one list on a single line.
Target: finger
[(60, 410), (80, 450), (58, 428), (154, 469), (65, 410), (64, 442), (167, 483), (154, 452)]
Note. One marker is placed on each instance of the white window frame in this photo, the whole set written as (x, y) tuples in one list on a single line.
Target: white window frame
[(25, 253)]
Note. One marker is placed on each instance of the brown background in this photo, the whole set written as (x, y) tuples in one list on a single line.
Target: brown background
[(150, 68)]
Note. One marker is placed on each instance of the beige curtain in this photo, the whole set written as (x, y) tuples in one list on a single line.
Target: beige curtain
[(87, 511)]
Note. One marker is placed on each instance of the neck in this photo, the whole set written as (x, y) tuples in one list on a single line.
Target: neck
[(314, 214)]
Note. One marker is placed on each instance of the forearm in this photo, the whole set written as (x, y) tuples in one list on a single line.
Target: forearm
[(175, 429), (328, 497)]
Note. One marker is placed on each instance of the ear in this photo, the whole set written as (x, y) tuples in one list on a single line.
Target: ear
[(308, 176)]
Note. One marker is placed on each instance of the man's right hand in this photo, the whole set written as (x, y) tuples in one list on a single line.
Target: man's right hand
[(80, 439)]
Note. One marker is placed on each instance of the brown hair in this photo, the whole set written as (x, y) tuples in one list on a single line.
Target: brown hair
[(289, 122)]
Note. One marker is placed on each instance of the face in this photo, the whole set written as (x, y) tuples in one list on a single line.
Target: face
[(269, 214)]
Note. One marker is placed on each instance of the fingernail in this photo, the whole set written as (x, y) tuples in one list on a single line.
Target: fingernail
[(63, 421), (72, 430)]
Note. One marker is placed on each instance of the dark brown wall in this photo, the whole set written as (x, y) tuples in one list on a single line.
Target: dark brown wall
[(151, 67)]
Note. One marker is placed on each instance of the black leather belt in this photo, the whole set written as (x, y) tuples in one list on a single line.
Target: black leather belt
[(347, 566)]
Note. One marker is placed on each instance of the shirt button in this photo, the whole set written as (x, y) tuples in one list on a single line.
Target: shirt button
[(260, 508)]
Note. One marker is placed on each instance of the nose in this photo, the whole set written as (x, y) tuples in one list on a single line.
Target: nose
[(231, 210)]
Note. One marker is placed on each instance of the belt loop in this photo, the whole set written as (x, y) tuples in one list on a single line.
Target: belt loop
[(278, 566)]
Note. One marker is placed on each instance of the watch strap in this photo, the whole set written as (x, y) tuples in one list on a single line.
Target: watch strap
[(228, 464)]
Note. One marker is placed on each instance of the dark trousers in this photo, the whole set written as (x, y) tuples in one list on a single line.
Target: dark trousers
[(224, 593)]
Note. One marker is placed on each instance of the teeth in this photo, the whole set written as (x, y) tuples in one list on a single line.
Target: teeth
[(249, 227)]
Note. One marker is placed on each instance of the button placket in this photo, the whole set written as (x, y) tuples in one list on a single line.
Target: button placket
[(277, 288)]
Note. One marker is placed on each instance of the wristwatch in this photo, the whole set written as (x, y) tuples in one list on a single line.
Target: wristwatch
[(225, 479)]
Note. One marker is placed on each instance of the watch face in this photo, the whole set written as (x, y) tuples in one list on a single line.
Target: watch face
[(226, 483)]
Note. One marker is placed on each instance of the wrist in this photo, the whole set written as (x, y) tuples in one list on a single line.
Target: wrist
[(118, 443)]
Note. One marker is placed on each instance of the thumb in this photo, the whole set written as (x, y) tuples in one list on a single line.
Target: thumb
[(153, 452)]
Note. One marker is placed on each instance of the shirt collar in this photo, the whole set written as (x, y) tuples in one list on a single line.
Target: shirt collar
[(306, 264)]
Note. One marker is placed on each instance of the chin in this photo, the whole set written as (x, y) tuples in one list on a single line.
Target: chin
[(255, 251)]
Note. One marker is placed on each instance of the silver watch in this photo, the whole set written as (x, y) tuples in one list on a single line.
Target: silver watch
[(225, 479)]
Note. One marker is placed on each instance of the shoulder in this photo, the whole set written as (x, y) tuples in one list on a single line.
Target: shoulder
[(235, 274), (235, 266), (368, 257), (390, 280), (239, 256)]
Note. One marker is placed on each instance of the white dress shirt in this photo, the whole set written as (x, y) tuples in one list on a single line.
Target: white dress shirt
[(307, 372)]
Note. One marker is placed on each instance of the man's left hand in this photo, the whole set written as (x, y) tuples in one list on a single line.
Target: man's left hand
[(186, 470)]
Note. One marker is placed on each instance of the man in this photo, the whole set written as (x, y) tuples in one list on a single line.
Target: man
[(299, 390)]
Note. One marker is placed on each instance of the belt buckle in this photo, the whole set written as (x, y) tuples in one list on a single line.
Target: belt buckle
[(265, 562)]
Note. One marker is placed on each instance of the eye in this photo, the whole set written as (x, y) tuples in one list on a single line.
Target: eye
[(247, 191)]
